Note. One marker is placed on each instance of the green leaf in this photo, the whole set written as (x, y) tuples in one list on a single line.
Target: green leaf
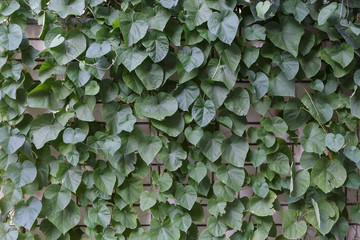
[(313, 139), (297, 8), (76, 135), (238, 101), (193, 135), (233, 177), (104, 179), (230, 55), (216, 91), (11, 36), (147, 200), (288, 64), (197, 171), (293, 229), (182, 221), (279, 85), (294, 114), (234, 150), (131, 189), (133, 26), (323, 216), (72, 178), (326, 12), (328, 174), (27, 212), (126, 216), (216, 227), (255, 32), (157, 46), (279, 163), (118, 117), (257, 157), (132, 57), (97, 50), (261, 84), (300, 182), (262, 206), (156, 107), (260, 188), (221, 73), (66, 219), (186, 94), (186, 196), (353, 153), (8, 233), (22, 174), (71, 48), (224, 25), (190, 58), (233, 211), (163, 231), (355, 213), (100, 214), (67, 7), (334, 142), (342, 54), (11, 140), (173, 156), (250, 56), (203, 111), (58, 196), (172, 126), (149, 147), (285, 35), (151, 75), (262, 8), (197, 13), (210, 145)]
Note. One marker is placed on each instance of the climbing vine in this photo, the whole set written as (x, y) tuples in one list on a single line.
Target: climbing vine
[(146, 108)]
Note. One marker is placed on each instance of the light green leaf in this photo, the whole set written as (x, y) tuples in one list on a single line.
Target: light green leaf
[(238, 101), (326, 12), (126, 216), (163, 231), (27, 212), (234, 150), (100, 214), (131, 189), (197, 13), (10, 37), (334, 142), (105, 179), (233, 211), (233, 177), (300, 182), (193, 135), (149, 147), (97, 50), (156, 107), (11, 140), (172, 126), (328, 174), (210, 145), (58, 196), (173, 156), (22, 174), (215, 226), (66, 219), (186, 94), (157, 46), (147, 200), (186, 196), (224, 25), (279, 163), (133, 26), (190, 58), (67, 7), (132, 57), (262, 8), (197, 171), (313, 139), (263, 206), (203, 111), (255, 32)]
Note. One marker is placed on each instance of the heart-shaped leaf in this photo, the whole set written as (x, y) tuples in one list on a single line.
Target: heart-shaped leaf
[(22, 174), (190, 58), (203, 111), (334, 142), (27, 212)]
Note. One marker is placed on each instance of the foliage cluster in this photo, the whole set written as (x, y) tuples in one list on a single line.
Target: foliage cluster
[(193, 69)]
